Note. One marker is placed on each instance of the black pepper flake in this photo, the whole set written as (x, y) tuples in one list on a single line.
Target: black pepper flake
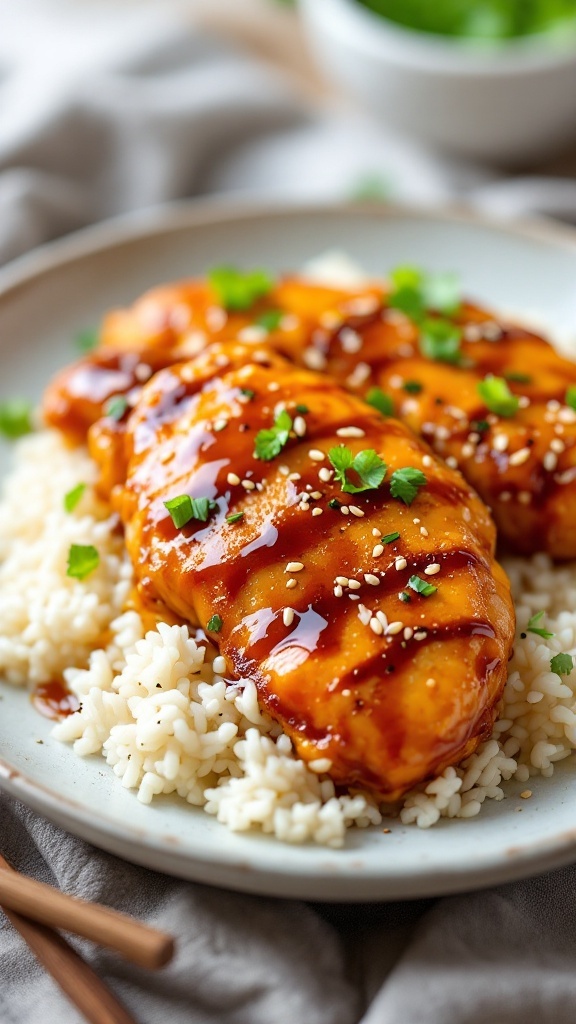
[(390, 668), (243, 428), (523, 636)]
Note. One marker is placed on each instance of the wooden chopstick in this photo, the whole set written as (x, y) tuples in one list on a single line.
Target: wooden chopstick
[(76, 979), (137, 942)]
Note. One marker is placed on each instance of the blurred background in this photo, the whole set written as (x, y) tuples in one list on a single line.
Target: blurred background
[(118, 105)]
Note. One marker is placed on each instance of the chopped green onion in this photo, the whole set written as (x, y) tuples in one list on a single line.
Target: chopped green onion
[(86, 340), (238, 290), (235, 517), (370, 188), (405, 483), (82, 560), (183, 508), (497, 396), (214, 624), (570, 398), (16, 418), (390, 537), (302, 409), (480, 426), (335, 504), (404, 597), (533, 626), (422, 586), (248, 393), (269, 443), (562, 664), (116, 406), (270, 320), (72, 498), (379, 400), (367, 464), (413, 387)]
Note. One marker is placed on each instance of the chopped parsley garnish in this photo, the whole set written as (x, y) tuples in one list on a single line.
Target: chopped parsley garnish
[(73, 497), (533, 626), (390, 537), (496, 395), (422, 586), (248, 393), (183, 508), (367, 464), (270, 442), (570, 397), (15, 418), (379, 400), (416, 294), (404, 597), (238, 290), (214, 624), (405, 483), (480, 426), (518, 378), (116, 406), (86, 340), (301, 409), (413, 387), (440, 340), (235, 517), (562, 664), (270, 320), (82, 560)]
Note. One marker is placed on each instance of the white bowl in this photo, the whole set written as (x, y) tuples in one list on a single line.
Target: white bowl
[(507, 103)]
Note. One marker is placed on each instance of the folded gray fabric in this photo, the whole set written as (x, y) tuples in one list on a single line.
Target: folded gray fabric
[(105, 115)]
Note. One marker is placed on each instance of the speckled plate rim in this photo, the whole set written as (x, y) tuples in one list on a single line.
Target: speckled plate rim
[(330, 875)]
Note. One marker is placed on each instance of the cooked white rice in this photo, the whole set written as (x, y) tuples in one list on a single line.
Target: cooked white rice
[(165, 722)]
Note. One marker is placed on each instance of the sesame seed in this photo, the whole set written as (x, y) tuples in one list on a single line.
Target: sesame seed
[(416, 521), (233, 479), (316, 455), (430, 683), (376, 626), (359, 375), (427, 460), (382, 618), (473, 437), (294, 567), (553, 405), (304, 506), (357, 511), (353, 597), (273, 386), (342, 580), (317, 511), (143, 372), (346, 693), (259, 487), (472, 332), (526, 794), (505, 496), (290, 584), (557, 445), (376, 532), (314, 359), (550, 461), (350, 432), (363, 305), (423, 531), (220, 424), (344, 510), (372, 579), (299, 426), (567, 476), (316, 495), (338, 591), (377, 551), (524, 402), (364, 614), (452, 462), (219, 664), (294, 476), (400, 564), (354, 584), (253, 334), (520, 457), (420, 634), (394, 628), (500, 442), (467, 450), (248, 485), (324, 474), (288, 616), (431, 570), (408, 633), (330, 319), (350, 340), (283, 470), (442, 433)]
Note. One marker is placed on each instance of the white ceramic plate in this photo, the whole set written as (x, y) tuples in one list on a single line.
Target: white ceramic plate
[(44, 300)]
